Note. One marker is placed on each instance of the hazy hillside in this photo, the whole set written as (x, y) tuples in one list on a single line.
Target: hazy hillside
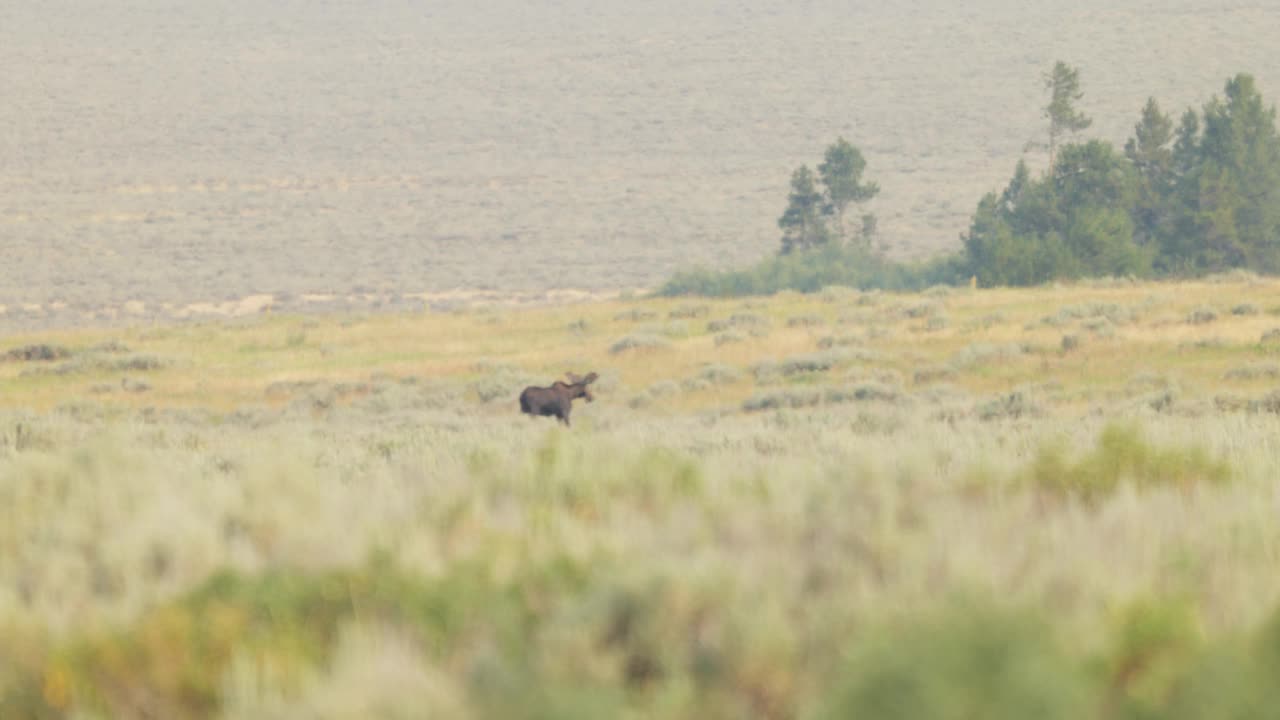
[(172, 152)]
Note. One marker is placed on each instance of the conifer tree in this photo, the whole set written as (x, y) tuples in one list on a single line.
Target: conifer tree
[(802, 223), (841, 173), (1152, 157), (1063, 84)]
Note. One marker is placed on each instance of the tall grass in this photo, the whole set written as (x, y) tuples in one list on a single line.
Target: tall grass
[(372, 529)]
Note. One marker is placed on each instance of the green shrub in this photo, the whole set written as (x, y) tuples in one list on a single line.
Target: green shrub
[(986, 322), (1268, 403), (676, 329), (728, 337), (639, 342), (718, 374), (1017, 404), (1122, 455), (1115, 314), (1268, 371), (840, 341), (821, 361), (813, 271), (289, 622), (636, 315), (787, 398), (694, 384), (34, 353), (1235, 678), (924, 309), (663, 388), (503, 385), (802, 321), (969, 661), (1151, 645), (863, 392), (932, 374), (1201, 315), (689, 311), (983, 353)]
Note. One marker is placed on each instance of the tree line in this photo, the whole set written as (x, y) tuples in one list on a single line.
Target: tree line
[(1180, 199), (1199, 197)]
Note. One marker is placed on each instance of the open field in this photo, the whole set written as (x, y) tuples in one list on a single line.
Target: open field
[(156, 154), (344, 516)]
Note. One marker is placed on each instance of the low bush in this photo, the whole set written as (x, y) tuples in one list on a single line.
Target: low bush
[(636, 315), (676, 329), (1015, 405), (924, 309), (983, 353), (1259, 371), (1122, 455), (1202, 315), (503, 385), (1113, 313), (689, 312), (932, 374), (718, 374), (728, 337), (863, 392), (784, 398), (967, 661), (833, 341), (821, 361), (809, 272), (37, 353), (639, 342), (803, 321)]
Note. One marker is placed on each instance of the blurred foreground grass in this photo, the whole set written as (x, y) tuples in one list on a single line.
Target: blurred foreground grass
[(924, 506)]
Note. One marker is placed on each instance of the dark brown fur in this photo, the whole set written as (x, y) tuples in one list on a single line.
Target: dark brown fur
[(558, 399)]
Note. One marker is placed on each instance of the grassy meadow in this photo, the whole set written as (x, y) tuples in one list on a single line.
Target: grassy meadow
[(1051, 502)]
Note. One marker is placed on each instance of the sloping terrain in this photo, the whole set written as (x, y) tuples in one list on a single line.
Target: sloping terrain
[(170, 153)]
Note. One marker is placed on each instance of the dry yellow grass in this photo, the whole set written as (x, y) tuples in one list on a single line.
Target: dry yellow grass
[(226, 365)]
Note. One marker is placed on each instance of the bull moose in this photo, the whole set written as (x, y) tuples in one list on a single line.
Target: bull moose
[(558, 399)]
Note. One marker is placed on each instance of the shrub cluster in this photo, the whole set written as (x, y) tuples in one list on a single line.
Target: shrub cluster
[(557, 639), (1122, 455)]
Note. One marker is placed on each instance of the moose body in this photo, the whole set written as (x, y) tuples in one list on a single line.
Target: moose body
[(556, 400)]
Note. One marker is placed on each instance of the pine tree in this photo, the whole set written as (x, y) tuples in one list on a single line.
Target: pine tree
[(1226, 186), (1150, 152), (1063, 84), (1240, 137), (841, 173), (802, 223)]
